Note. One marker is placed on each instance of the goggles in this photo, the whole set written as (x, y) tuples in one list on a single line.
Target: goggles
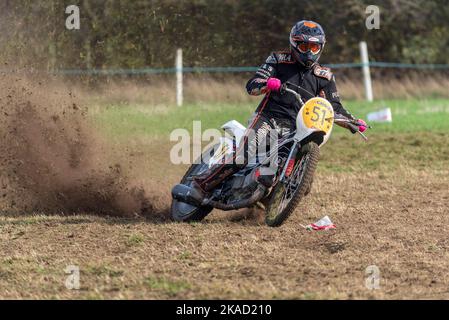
[(304, 47)]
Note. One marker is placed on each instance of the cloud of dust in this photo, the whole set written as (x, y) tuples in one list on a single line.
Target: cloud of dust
[(53, 162)]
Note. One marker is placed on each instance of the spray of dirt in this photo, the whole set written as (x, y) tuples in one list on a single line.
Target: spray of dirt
[(52, 161)]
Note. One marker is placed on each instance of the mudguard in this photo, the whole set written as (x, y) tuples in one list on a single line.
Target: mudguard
[(234, 130)]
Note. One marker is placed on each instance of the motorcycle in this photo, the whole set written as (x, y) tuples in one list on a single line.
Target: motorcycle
[(277, 191)]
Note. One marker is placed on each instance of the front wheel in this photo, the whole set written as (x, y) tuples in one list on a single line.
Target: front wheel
[(286, 195)]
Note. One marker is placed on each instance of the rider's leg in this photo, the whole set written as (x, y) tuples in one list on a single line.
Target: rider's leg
[(258, 128)]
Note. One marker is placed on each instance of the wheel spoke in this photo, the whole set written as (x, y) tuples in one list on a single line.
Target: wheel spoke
[(289, 192), (292, 184)]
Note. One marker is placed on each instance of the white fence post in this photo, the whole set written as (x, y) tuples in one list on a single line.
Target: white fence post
[(366, 71), (178, 77)]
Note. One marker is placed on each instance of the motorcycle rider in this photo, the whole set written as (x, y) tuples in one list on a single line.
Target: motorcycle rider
[(299, 66)]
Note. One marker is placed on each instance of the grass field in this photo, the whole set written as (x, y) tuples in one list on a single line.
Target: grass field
[(124, 120), (388, 197)]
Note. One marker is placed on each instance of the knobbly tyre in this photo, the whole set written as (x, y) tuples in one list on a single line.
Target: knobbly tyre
[(278, 192)]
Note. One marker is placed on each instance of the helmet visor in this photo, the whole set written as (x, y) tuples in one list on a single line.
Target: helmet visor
[(305, 47)]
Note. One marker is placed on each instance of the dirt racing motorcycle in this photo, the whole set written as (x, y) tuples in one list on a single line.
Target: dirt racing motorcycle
[(278, 192)]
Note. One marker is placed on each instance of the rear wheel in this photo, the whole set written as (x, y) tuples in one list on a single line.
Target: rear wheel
[(286, 195), (184, 212)]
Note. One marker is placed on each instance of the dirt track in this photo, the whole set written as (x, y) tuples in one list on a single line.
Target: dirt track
[(397, 222)]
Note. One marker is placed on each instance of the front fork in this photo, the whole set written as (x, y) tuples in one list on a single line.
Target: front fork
[(291, 157)]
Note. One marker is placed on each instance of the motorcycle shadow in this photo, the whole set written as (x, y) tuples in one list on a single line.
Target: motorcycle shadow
[(159, 216), (248, 216)]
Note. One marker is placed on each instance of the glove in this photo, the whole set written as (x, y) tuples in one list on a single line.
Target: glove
[(273, 84), (362, 125)]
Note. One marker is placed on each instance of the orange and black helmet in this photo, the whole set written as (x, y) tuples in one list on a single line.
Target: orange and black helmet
[(307, 41)]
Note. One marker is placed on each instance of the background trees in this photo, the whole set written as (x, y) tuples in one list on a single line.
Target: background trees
[(136, 34)]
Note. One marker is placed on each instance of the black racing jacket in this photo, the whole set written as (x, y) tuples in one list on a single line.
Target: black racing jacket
[(318, 81)]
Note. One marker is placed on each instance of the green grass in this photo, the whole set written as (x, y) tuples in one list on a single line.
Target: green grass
[(386, 151), (408, 115), (170, 287), (418, 136), (185, 255), (135, 239), (125, 120), (101, 270)]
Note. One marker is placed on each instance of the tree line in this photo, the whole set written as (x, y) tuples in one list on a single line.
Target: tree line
[(146, 33)]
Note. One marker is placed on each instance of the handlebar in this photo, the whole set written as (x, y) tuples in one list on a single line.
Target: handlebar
[(350, 123), (307, 94), (296, 94)]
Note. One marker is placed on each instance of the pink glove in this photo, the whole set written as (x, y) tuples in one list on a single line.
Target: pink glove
[(362, 125), (273, 84)]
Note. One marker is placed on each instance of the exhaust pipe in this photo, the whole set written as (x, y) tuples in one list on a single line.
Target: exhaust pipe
[(191, 196), (187, 194), (257, 195)]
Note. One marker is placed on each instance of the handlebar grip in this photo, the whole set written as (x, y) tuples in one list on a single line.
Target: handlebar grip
[(352, 127)]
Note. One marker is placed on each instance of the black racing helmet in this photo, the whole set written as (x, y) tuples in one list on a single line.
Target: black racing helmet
[(307, 41)]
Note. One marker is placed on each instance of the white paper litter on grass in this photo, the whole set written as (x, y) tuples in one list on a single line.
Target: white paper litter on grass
[(322, 224)]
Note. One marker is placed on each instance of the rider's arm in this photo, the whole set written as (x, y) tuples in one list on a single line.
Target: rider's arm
[(258, 83), (332, 95)]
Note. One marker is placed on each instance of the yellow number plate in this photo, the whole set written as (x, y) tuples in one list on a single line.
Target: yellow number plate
[(318, 114)]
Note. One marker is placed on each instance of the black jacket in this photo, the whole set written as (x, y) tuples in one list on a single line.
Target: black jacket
[(319, 81)]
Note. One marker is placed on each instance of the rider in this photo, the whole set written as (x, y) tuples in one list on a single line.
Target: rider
[(299, 66)]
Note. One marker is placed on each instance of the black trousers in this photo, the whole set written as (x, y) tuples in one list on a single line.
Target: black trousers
[(261, 130)]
